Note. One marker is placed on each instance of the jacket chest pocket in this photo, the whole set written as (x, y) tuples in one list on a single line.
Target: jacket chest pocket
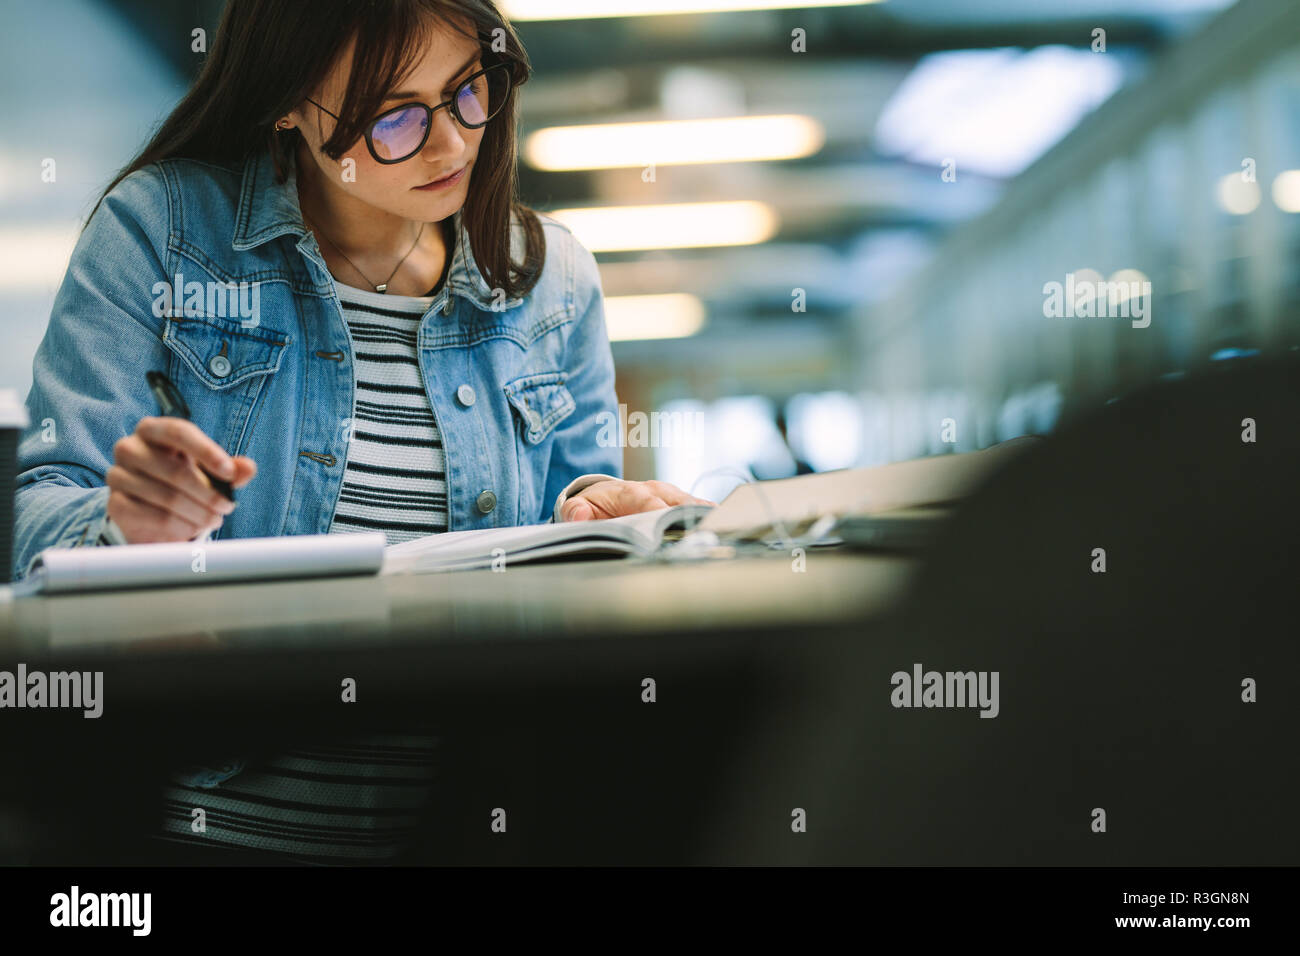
[(541, 401), (538, 402), (230, 362)]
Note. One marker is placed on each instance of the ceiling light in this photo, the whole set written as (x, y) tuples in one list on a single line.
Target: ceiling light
[(674, 226)]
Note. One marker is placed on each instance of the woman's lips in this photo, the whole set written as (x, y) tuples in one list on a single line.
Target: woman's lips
[(444, 183)]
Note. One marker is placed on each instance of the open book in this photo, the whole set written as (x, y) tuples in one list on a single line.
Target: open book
[(638, 534), (764, 510)]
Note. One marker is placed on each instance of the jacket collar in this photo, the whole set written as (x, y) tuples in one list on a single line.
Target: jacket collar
[(268, 210)]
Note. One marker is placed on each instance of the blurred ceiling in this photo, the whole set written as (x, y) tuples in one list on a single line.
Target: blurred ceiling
[(898, 87)]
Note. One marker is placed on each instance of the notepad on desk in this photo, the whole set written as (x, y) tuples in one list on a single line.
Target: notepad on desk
[(64, 570)]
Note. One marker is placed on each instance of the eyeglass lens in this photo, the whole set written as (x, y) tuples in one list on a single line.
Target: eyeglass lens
[(400, 133)]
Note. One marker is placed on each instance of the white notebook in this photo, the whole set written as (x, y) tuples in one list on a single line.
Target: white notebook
[(61, 570)]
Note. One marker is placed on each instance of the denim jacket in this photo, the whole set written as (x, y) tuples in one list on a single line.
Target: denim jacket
[(261, 353)]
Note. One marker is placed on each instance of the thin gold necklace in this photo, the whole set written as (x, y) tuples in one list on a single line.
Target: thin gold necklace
[(383, 286)]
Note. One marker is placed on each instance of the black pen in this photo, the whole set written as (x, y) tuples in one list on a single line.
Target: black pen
[(171, 403)]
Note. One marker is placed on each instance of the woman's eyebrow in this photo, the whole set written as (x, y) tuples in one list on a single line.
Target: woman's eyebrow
[(409, 94)]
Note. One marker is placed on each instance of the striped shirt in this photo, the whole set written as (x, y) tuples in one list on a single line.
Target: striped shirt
[(395, 480), (354, 800), (358, 799)]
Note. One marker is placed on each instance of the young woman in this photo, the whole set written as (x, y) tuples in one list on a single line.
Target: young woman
[(323, 250)]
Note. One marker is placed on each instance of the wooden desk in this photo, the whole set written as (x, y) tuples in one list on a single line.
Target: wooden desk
[(594, 598), (535, 674)]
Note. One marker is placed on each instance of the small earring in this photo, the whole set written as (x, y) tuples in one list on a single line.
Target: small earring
[(282, 125)]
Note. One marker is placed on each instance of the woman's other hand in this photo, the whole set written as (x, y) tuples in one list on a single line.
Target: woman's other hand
[(613, 497)]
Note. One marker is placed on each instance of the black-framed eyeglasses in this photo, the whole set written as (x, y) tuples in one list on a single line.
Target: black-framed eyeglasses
[(398, 134)]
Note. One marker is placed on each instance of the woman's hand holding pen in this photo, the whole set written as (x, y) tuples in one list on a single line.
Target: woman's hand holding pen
[(158, 490)]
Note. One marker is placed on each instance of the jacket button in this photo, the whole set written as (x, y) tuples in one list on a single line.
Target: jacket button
[(448, 305), (219, 366), (466, 395), (486, 502)]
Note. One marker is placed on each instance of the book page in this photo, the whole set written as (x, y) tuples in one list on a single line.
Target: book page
[(478, 547), (639, 533)]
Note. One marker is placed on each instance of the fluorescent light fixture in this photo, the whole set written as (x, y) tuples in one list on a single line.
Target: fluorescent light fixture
[(674, 226), (1286, 190), (739, 139), (1238, 196), (672, 315), (588, 9)]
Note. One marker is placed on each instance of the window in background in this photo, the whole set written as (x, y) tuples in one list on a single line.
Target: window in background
[(1030, 411), (734, 436), (80, 91), (826, 429), (831, 430)]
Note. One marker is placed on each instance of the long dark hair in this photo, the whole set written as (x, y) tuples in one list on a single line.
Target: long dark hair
[(269, 55)]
